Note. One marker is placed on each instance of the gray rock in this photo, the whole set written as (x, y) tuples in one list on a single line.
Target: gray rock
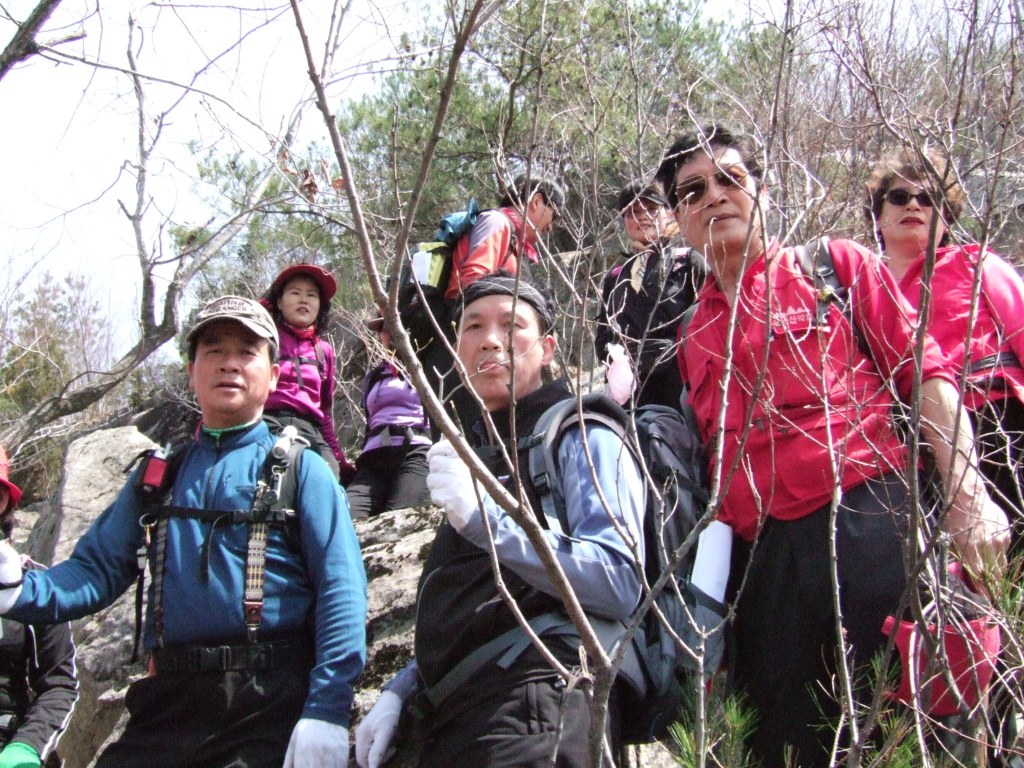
[(394, 545)]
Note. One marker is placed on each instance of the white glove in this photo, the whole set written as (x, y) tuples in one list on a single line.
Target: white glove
[(317, 744), (376, 731), (10, 573), (451, 484), (619, 378)]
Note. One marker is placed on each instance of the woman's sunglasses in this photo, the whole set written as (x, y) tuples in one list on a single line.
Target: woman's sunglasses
[(691, 191), (903, 197)]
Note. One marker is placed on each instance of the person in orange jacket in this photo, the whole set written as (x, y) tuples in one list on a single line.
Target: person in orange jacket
[(503, 238)]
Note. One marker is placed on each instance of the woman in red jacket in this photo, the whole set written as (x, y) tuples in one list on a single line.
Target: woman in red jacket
[(912, 201), (984, 339)]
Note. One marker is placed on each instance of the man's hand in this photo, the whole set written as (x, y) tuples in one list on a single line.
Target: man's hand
[(10, 577), (451, 485), (375, 733), (317, 744)]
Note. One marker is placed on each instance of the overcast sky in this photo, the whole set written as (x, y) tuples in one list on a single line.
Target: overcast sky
[(68, 129)]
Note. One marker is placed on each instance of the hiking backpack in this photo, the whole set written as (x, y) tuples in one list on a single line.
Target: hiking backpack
[(425, 275), (672, 462)]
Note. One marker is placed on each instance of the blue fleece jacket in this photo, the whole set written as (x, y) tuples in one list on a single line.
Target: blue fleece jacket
[(323, 586)]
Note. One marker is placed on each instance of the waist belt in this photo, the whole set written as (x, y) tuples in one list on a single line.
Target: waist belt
[(999, 360), (389, 430), (505, 649), (291, 413), (255, 657)]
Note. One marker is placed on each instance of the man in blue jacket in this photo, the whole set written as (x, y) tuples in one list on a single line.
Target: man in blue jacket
[(256, 629), (514, 710)]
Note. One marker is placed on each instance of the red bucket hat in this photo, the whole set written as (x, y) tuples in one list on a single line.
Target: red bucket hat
[(5, 474), (323, 278)]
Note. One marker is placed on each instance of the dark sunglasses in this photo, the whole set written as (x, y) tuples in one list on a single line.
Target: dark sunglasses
[(691, 191), (903, 197)]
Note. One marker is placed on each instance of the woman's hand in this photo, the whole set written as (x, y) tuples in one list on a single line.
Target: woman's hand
[(980, 532)]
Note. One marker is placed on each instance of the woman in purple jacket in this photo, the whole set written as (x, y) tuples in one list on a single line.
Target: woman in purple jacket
[(391, 472), (300, 302)]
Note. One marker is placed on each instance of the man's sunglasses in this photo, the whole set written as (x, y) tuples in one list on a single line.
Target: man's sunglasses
[(555, 213), (691, 191), (901, 197)]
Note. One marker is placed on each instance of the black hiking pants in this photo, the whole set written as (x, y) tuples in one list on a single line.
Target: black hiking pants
[(999, 427), (209, 720), (509, 719), (786, 646), (387, 478)]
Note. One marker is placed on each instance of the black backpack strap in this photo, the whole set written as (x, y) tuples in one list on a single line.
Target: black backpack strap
[(297, 365), (501, 646), (815, 260), (506, 648), (154, 533), (684, 323), (276, 496), (318, 361), (513, 243), (321, 361)]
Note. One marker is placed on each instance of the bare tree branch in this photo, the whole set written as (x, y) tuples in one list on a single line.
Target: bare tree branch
[(23, 45)]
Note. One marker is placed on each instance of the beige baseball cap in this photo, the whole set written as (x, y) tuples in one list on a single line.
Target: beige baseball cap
[(249, 313)]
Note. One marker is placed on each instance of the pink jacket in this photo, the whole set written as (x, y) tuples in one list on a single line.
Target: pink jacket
[(998, 324), (307, 387), (821, 412)]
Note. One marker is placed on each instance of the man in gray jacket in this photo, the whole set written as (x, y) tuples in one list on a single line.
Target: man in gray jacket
[(513, 710)]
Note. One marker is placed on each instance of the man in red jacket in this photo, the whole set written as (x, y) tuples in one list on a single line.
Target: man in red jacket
[(808, 455)]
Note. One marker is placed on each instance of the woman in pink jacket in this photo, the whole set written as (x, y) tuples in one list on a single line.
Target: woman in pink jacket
[(300, 301), (911, 208), (984, 339)]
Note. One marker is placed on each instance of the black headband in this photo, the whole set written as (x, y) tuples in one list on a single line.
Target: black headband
[(505, 285)]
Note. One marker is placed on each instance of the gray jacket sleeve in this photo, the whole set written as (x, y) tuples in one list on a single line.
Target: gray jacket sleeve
[(605, 507)]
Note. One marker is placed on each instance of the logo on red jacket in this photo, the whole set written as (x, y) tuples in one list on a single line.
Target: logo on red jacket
[(792, 319)]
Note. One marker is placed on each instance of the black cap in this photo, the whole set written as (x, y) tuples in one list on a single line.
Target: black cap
[(634, 192), (504, 284)]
